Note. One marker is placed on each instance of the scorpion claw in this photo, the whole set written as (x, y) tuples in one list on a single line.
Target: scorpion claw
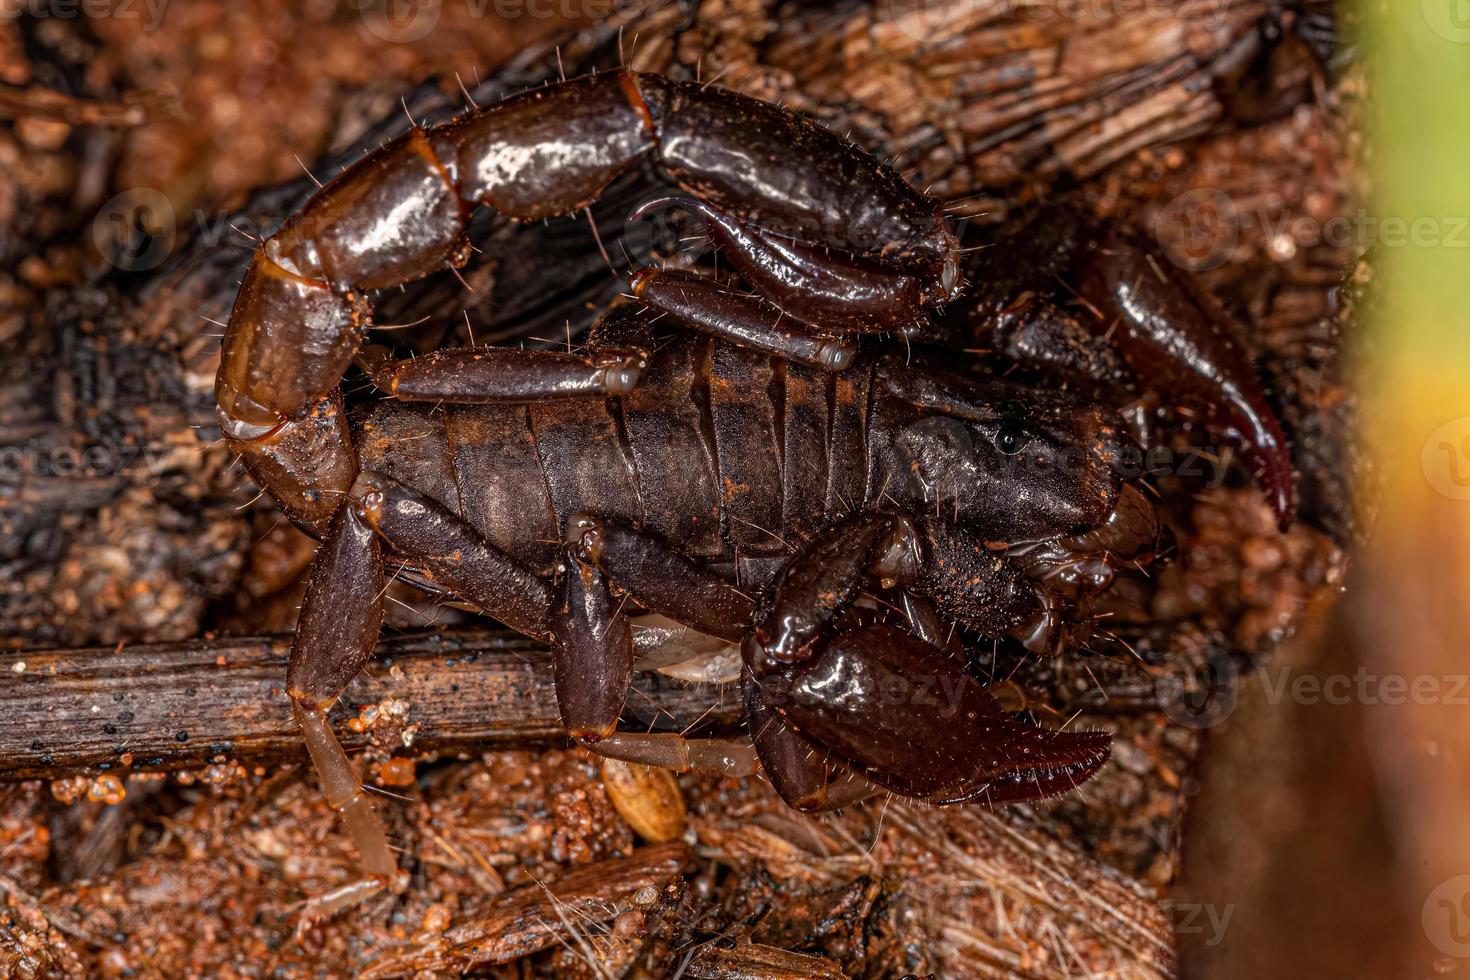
[(1178, 336), (913, 721)]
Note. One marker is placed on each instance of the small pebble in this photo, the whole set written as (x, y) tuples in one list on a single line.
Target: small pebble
[(436, 918)]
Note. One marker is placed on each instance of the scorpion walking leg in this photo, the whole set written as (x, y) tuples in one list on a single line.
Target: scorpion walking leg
[(594, 647), (481, 375), (593, 652), (450, 552), (585, 633), (910, 717), (740, 318), (334, 639), (662, 578)]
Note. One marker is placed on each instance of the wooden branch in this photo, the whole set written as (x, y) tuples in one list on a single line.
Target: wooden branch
[(178, 705)]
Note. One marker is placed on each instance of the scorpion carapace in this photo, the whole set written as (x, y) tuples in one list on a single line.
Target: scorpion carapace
[(753, 478)]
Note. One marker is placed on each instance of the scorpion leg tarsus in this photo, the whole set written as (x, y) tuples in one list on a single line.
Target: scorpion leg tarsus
[(670, 750), (912, 719), (740, 318), (485, 375)]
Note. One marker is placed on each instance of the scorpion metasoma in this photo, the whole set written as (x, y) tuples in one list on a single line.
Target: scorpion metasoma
[(737, 469)]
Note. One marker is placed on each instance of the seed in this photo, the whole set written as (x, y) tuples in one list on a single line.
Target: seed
[(648, 798)]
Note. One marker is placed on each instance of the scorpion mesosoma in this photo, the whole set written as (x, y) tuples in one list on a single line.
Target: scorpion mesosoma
[(750, 477)]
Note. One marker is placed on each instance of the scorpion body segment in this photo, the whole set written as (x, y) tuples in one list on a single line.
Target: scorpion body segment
[(728, 473)]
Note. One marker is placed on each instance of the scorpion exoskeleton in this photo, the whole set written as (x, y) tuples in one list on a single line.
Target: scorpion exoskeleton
[(751, 478)]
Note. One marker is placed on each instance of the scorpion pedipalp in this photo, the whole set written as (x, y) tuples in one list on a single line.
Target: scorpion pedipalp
[(912, 720)]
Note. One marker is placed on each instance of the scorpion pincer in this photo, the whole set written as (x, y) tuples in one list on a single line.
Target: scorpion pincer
[(746, 474)]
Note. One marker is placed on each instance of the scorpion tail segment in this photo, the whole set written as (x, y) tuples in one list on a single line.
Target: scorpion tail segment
[(592, 652), (914, 721), (812, 184), (288, 341), (306, 464), (739, 318), (800, 775), (823, 284), (1176, 338)]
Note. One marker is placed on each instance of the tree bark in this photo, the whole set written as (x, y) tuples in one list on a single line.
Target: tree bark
[(166, 706)]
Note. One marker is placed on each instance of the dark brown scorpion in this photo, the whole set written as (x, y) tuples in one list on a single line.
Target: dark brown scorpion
[(747, 475)]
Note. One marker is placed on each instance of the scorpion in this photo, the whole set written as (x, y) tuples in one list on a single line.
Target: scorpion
[(721, 462)]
